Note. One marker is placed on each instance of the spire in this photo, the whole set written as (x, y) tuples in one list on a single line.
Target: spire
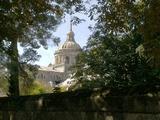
[(70, 35), (71, 26)]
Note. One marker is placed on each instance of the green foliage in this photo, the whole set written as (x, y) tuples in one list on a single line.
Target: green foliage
[(27, 75), (110, 60), (38, 88), (112, 63), (4, 84), (120, 18)]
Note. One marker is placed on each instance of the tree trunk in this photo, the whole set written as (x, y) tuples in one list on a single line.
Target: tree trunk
[(14, 70)]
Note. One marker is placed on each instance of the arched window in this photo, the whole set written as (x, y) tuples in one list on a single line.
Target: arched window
[(67, 60), (60, 59), (56, 60)]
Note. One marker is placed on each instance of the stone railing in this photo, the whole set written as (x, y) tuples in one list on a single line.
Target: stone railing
[(80, 105)]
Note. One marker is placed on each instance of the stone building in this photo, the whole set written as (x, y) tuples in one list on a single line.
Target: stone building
[(65, 57)]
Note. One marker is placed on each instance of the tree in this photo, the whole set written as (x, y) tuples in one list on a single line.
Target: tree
[(110, 60), (151, 32), (29, 23), (119, 17), (113, 64)]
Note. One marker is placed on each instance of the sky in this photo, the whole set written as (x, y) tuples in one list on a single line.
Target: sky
[(81, 32)]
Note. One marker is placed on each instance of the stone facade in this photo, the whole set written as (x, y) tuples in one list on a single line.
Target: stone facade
[(65, 57)]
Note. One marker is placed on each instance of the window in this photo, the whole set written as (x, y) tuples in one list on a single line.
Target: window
[(67, 60)]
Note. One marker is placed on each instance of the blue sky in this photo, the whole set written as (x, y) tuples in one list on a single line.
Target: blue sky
[(81, 35)]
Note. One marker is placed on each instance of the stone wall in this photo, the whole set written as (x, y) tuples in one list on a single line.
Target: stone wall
[(80, 105)]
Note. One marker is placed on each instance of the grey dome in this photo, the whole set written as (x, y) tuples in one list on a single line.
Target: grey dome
[(70, 43)]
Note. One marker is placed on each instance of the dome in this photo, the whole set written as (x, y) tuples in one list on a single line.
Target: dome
[(70, 43), (66, 54)]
